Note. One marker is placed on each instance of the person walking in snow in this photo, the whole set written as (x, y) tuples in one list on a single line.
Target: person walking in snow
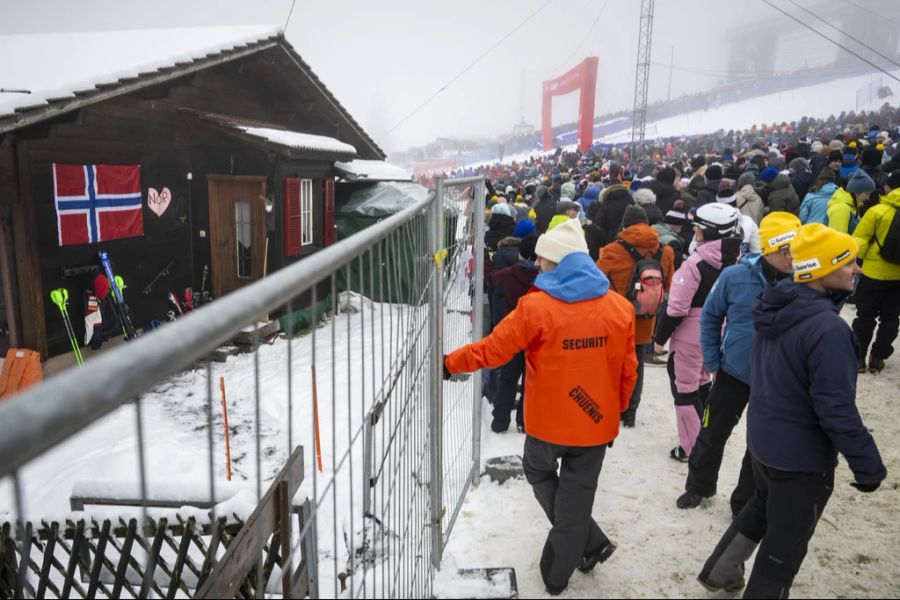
[(802, 413), (515, 281), (726, 335), (878, 293), (580, 368), (618, 264), (715, 227)]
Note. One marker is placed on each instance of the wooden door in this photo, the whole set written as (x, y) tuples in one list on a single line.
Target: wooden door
[(237, 230)]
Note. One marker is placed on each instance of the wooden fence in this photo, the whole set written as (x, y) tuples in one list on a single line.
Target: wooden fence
[(224, 558)]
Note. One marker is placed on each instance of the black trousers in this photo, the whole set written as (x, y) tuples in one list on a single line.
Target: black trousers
[(635, 401), (505, 393), (880, 300), (567, 499), (782, 516), (727, 401)]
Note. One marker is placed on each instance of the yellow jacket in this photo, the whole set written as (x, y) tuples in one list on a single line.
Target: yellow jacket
[(874, 225)]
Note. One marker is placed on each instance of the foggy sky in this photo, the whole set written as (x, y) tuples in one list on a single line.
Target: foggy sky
[(383, 59)]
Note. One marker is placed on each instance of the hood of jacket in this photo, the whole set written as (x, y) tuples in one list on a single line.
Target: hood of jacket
[(575, 278), (616, 194), (827, 190), (786, 304), (780, 182), (892, 199), (509, 241), (642, 236), (500, 222)]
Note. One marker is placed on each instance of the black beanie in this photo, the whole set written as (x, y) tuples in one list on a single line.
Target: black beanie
[(698, 161), (666, 175), (527, 246), (835, 155), (871, 157), (633, 216), (714, 173), (893, 180)]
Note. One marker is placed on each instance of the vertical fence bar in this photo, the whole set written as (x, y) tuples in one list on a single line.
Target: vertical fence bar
[(437, 370), (477, 326)]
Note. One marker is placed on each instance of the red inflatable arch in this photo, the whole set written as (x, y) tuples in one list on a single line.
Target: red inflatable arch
[(584, 79)]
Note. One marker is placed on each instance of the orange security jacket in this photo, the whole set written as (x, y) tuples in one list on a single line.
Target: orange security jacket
[(580, 364)]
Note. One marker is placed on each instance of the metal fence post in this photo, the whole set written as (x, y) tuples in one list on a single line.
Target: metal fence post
[(436, 403), (477, 329)]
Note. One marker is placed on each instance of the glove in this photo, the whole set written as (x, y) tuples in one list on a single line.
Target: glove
[(455, 377), (866, 487)]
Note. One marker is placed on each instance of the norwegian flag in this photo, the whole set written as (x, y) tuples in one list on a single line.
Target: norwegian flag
[(96, 203)]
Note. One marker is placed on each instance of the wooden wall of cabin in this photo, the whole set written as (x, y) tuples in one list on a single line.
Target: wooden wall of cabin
[(146, 128)]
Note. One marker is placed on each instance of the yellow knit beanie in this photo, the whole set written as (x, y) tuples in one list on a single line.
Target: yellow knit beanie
[(819, 250), (777, 230)]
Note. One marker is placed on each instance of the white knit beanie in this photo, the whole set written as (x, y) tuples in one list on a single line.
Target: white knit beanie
[(562, 241), (644, 197)]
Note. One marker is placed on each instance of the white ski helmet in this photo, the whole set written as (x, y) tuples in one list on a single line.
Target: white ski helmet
[(717, 221)]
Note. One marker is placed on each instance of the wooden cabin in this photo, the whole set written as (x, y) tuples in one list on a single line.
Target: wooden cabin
[(237, 152)]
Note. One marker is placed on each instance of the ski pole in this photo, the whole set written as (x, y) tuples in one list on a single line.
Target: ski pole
[(227, 438), (60, 297)]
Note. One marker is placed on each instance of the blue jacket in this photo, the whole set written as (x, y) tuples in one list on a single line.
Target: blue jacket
[(803, 393), (731, 300), (814, 208)]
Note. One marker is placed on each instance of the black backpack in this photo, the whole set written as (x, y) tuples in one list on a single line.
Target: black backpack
[(890, 248)]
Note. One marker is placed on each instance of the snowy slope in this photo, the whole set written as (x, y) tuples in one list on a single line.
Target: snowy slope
[(661, 548), (817, 101)]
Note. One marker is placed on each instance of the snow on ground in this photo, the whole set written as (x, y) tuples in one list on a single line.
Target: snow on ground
[(175, 424), (661, 548)]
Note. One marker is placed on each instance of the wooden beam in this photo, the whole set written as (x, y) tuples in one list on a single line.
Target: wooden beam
[(245, 550), (31, 297)]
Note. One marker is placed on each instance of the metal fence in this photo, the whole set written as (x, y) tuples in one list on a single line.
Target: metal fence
[(390, 449)]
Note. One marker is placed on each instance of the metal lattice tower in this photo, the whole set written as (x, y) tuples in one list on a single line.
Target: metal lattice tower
[(642, 77)]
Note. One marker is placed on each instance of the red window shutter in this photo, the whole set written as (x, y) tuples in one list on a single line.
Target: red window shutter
[(291, 216), (329, 233)]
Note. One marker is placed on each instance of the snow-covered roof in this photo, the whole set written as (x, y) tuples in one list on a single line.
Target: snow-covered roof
[(56, 65), (62, 72), (300, 141), (373, 170)]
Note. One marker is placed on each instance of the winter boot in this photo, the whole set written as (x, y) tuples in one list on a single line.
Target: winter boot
[(876, 365), (861, 364), (724, 569), (679, 454), (599, 555), (688, 500)]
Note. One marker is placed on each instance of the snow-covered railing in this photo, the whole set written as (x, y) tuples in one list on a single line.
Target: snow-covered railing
[(391, 448)]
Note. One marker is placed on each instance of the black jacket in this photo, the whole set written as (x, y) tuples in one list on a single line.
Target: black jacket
[(544, 208), (613, 202), (499, 227), (666, 195), (708, 193), (801, 180)]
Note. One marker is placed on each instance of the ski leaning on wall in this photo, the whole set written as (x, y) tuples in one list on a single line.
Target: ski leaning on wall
[(122, 310)]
